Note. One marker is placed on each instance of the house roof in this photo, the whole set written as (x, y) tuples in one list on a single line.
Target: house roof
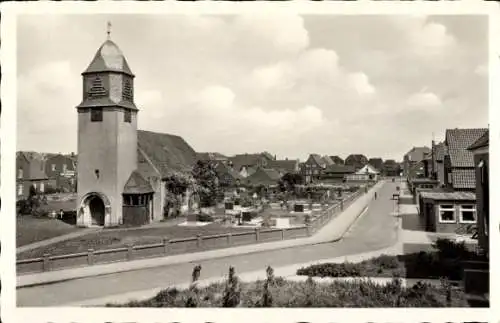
[(340, 169), (463, 178), (241, 160), (166, 152), (211, 156), (268, 155), (317, 159), (417, 153), (367, 169), (377, 163), (264, 176), (222, 170), (136, 184), (36, 163), (337, 159), (109, 58), (458, 140), (482, 142), (356, 159), (327, 160), (287, 166), (449, 196), (440, 151)]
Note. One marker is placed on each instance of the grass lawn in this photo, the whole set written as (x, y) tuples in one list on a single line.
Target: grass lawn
[(31, 229), (115, 238), (310, 294)]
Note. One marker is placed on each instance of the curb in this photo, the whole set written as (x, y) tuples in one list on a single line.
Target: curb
[(57, 276)]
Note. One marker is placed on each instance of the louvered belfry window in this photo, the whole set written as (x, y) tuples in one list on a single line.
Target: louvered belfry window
[(127, 91), (97, 89)]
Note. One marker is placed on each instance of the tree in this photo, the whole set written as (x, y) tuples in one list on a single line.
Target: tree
[(176, 186), (232, 291), (288, 182), (208, 187)]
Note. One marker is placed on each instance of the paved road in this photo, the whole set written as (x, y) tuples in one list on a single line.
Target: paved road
[(375, 229)]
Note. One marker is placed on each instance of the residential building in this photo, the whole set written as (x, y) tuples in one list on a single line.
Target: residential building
[(62, 170), (263, 176), (313, 168), (337, 160), (377, 163), (366, 173), (356, 160), (245, 164), (459, 165), (439, 151), (480, 151), (30, 173), (284, 166), (120, 169), (391, 168), (447, 212), (213, 156), (337, 173), (228, 177), (412, 157), (328, 161)]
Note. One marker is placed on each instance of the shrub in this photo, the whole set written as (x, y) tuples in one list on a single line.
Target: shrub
[(346, 269), (232, 291), (203, 217)]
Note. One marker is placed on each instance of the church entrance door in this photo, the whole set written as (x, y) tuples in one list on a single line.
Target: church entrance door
[(97, 210)]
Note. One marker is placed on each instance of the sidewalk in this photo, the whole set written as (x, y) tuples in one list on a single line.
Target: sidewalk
[(288, 272), (332, 231), (46, 242)]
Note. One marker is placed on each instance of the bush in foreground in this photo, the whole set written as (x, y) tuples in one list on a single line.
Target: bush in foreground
[(278, 292)]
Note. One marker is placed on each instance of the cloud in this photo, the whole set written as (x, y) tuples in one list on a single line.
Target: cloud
[(424, 100), (285, 83)]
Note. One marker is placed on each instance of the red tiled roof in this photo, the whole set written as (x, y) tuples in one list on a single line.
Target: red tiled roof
[(463, 178)]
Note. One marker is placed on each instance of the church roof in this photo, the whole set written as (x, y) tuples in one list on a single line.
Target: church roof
[(109, 58), (136, 184), (166, 152)]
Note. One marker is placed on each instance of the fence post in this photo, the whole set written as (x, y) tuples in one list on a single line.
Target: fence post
[(130, 251), (166, 243), (90, 257), (46, 262), (229, 236), (282, 234), (257, 234), (198, 240)]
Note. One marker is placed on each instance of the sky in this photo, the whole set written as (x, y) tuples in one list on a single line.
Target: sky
[(292, 85)]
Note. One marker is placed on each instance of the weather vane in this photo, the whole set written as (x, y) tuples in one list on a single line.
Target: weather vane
[(109, 30)]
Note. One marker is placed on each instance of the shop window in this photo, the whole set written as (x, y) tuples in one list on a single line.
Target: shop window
[(468, 214), (447, 213)]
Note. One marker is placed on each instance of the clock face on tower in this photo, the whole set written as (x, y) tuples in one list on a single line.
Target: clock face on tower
[(97, 88)]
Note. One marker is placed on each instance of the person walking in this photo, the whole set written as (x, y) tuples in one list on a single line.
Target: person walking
[(375, 195)]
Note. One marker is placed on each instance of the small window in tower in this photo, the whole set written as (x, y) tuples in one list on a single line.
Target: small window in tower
[(127, 90), (96, 114), (127, 116)]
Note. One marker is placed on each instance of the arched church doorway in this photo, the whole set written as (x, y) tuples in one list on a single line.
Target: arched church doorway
[(97, 210)]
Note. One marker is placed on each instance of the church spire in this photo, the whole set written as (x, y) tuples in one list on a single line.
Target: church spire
[(108, 30)]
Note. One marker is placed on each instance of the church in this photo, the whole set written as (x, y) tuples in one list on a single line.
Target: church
[(120, 168)]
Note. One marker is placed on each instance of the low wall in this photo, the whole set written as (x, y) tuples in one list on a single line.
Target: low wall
[(184, 245)]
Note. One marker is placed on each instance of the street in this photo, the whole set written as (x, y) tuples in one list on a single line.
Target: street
[(373, 230)]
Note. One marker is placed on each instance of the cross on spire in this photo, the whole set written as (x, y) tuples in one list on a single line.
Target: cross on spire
[(108, 31)]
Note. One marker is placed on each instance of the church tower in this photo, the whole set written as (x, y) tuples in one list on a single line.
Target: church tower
[(107, 137)]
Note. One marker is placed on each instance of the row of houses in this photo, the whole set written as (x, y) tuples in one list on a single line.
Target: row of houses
[(450, 182), (45, 172)]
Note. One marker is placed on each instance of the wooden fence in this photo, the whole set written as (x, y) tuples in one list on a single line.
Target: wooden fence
[(184, 245)]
